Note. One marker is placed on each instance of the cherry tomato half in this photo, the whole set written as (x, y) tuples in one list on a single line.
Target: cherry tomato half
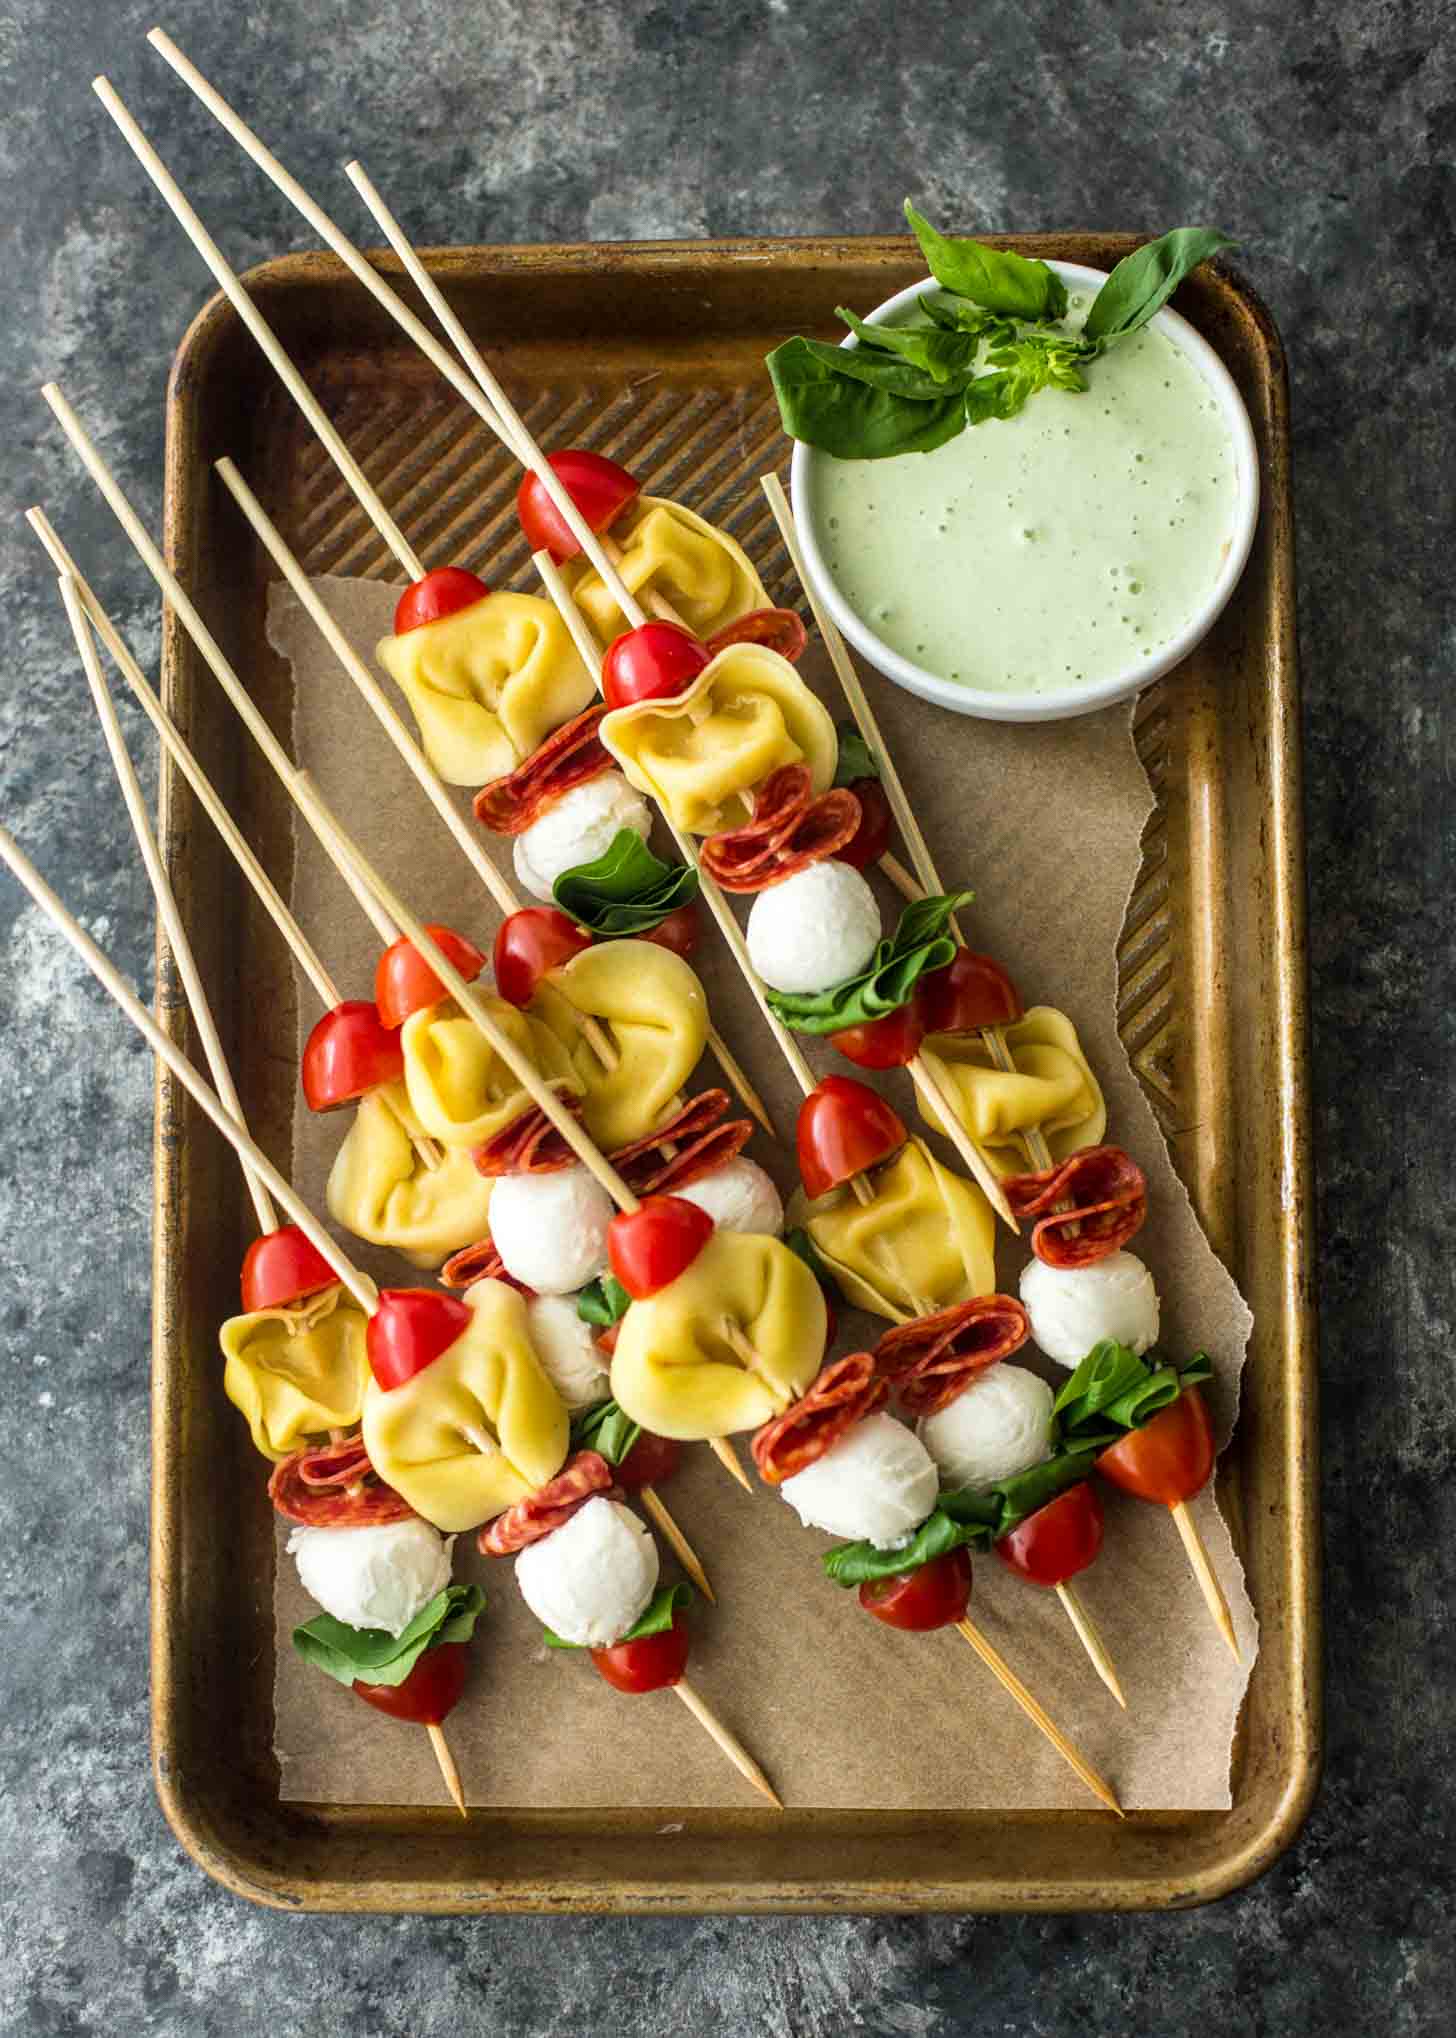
[(431, 1691), (650, 1246), (887, 1043), (405, 983), (651, 1461), (1059, 1540), (348, 1053), (932, 1596), (409, 1330), (972, 991), (529, 945), (871, 838), (441, 593), (844, 1127), (600, 489), (282, 1267), (649, 1663), (651, 663), (679, 931), (1170, 1458)]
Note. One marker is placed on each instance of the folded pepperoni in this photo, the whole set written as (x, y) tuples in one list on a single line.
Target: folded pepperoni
[(529, 1145), (569, 757), (334, 1486), (479, 1262), (549, 1508), (790, 829), (1088, 1207), (701, 1144), (776, 629), (714, 1150), (935, 1358), (841, 1394)]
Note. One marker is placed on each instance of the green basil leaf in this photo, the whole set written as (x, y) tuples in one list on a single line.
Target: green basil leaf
[(937, 1536), (856, 759), (958, 315), (1010, 1501), (627, 890), (606, 1429), (1112, 1392), (376, 1657), (919, 944), (827, 398), (603, 1302), (943, 356), (656, 1618), (1144, 281), (989, 276)]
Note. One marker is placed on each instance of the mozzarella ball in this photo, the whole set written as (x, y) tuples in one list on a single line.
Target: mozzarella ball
[(1074, 1308), (551, 1230), (996, 1427), (876, 1485), (570, 1356), (815, 929), (589, 1581), (378, 1577), (739, 1196), (578, 828)]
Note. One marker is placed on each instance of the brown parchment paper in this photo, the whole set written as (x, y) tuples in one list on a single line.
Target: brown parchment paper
[(842, 1711)]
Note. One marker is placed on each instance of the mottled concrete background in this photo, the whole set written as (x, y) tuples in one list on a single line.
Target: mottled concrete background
[(1322, 135)]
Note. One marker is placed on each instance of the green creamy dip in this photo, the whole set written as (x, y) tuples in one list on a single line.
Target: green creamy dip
[(1056, 547)]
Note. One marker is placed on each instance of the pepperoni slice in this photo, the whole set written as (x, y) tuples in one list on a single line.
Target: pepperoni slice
[(790, 830), (841, 1394), (569, 757), (479, 1262), (529, 1145), (1106, 1197), (776, 629), (702, 1144), (935, 1358), (334, 1486), (549, 1508)]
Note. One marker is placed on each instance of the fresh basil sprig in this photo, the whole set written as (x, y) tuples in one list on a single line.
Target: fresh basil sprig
[(603, 1302), (627, 890), (994, 278), (1143, 281), (838, 409), (1113, 1391), (919, 944), (373, 1655), (605, 1428), (655, 1620), (856, 759)]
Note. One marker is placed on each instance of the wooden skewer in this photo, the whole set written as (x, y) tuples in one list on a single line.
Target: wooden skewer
[(1207, 1577), (1002, 1671), (732, 1747), (1092, 1642), (929, 1086), (686, 1555), (447, 1767)]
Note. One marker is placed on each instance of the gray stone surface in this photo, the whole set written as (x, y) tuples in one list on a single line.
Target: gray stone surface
[(1322, 136)]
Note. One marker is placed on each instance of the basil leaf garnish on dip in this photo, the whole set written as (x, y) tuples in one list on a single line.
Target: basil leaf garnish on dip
[(992, 277), (655, 1619), (1143, 282), (1113, 1391), (373, 1655), (627, 890), (831, 406), (943, 356), (919, 944)]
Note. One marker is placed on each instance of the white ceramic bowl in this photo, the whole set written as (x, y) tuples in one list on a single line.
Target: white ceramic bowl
[(998, 706)]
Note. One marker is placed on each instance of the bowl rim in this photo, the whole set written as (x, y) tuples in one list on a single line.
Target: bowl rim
[(995, 704)]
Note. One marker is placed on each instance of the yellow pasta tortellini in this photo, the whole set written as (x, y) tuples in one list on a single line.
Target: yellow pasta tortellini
[(479, 1428), (927, 1239), (676, 1370), (488, 683), (382, 1191), (667, 550), (296, 1372), (1052, 1087), (745, 714), (655, 1015), (459, 1089)]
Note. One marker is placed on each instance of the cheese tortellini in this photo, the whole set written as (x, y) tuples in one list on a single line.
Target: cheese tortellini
[(667, 550), (479, 1428), (459, 1088), (654, 1012), (382, 1191), (745, 714), (926, 1240), (488, 683), (1052, 1087), (677, 1372), (294, 1373)]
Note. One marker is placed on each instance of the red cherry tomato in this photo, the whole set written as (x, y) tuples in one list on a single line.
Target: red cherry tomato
[(1170, 1458), (1059, 1540), (600, 489), (528, 945), (679, 931), (650, 1662), (409, 1330), (844, 1127), (440, 594), (349, 1053), (430, 1692), (972, 991), (651, 1245), (651, 663), (405, 983), (651, 1461), (932, 1596), (887, 1043), (872, 837), (282, 1267)]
